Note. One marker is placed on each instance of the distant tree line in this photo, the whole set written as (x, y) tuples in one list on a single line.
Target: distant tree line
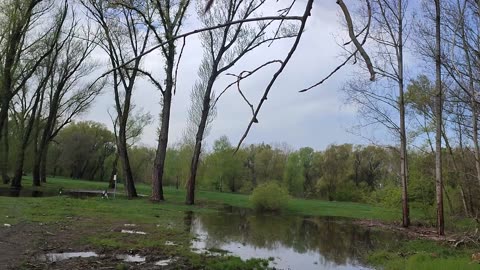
[(358, 173)]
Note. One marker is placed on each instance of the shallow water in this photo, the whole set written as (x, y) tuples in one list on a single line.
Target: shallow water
[(131, 258), (56, 257), (292, 242)]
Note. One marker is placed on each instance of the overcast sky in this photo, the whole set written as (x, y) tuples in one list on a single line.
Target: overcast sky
[(316, 119)]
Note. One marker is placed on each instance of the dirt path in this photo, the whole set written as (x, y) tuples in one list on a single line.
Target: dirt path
[(17, 244)]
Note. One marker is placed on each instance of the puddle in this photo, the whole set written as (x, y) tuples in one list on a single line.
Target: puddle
[(56, 257), (164, 262), (133, 232), (131, 258), (130, 225), (293, 242)]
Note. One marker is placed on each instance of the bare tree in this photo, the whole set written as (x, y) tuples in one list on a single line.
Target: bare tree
[(21, 56), (137, 121), (164, 18), (438, 120), (67, 92), (27, 37), (223, 48), (460, 42), (124, 37)]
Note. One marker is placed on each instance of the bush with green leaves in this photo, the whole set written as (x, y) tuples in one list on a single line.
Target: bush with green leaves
[(270, 196)]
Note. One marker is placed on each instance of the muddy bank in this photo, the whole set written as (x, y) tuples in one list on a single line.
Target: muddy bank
[(413, 231)]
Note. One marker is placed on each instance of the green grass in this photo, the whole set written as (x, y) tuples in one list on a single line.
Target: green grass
[(425, 255), (161, 221), (212, 200)]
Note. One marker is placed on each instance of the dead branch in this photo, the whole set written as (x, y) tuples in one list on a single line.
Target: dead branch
[(354, 39), (307, 13)]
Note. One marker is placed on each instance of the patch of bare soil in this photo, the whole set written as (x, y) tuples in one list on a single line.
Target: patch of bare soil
[(16, 244), (27, 245)]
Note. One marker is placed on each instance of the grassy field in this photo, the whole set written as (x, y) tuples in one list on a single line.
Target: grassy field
[(161, 221)]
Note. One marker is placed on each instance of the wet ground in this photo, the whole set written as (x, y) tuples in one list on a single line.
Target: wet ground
[(288, 242)]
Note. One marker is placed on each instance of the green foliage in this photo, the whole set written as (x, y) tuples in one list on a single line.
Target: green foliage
[(224, 170), (294, 175), (270, 196), (389, 196)]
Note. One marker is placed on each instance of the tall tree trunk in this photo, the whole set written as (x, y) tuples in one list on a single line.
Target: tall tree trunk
[(161, 153), (403, 132), (190, 199), (36, 170), (111, 182), (43, 164), (130, 189), (157, 181), (4, 155), (438, 123), (464, 172), (17, 178), (3, 112)]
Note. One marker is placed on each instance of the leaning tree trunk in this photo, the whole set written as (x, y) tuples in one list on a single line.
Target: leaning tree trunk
[(438, 124), (190, 199)]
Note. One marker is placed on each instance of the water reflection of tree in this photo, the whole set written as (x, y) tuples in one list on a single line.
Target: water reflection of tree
[(337, 241)]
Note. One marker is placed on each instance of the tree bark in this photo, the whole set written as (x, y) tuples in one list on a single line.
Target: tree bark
[(438, 123), (403, 132), (190, 199), (4, 155), (130, 189), (36, 170), (111, 182), (161, 153), (43, 164)]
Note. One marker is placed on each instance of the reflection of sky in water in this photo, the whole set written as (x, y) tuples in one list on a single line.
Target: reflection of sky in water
[(285, 257)]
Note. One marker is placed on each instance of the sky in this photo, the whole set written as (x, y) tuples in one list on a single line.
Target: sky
[(317, 118)]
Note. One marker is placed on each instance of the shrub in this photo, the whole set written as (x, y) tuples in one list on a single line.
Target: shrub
[(270, 197)]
